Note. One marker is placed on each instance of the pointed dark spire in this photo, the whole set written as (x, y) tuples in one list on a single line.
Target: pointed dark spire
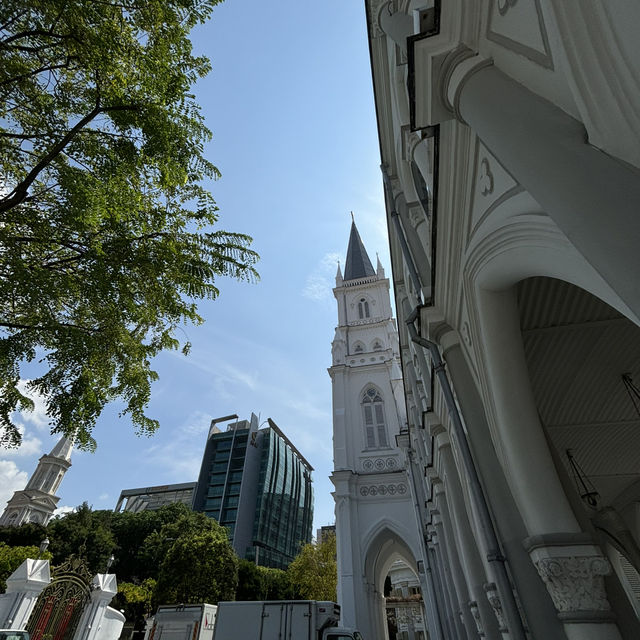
[(357, 264)]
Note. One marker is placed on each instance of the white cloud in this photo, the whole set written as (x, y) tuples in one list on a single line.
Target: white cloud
[(11, 479), (30, 446), (198, 422), (188, 439), (320, 281), (60, 511), (38, 417)]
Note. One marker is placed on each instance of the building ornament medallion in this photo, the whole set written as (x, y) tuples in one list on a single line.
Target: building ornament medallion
[(576, 583), (485, 180), (383, 490), (380, 464), (494, 600)]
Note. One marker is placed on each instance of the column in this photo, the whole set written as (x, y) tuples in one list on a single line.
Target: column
[(541, 617), (449, 579), (479, 608), (24, 586), (563, 560), (94, 621), (459, 578), (592, 197)]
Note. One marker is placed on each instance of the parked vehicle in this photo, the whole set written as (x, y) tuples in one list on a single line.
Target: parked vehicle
[(261, 620), (281, 619), (13, 634), (182, 622)]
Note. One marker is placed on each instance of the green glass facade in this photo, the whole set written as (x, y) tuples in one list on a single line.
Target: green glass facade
[(284, 506), (256, 484)]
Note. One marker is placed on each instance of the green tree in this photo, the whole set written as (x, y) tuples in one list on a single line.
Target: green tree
[(85, 533), (314, 572), (250, 581), (277, 585), (262, 583), (136, 600), (12, 557), (139, 545), (29, 534), (200, 567), (106, 229)]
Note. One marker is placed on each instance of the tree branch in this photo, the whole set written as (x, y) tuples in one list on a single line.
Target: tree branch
[(36, 327), (21, 190), (35, 72)]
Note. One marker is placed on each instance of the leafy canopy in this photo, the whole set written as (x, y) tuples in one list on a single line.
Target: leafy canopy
[(106, 229), (314, 571)]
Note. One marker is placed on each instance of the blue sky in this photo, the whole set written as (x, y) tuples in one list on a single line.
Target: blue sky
[(290, 105)]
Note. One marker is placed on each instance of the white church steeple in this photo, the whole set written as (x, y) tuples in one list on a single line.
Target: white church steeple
[(371, 487), (37, 501)]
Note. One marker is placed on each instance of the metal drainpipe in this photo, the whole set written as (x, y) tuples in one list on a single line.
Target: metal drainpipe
[(494, 554), (406, 252)]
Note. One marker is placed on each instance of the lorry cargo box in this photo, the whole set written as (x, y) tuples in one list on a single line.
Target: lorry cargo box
[(183, 622), (279, 620)]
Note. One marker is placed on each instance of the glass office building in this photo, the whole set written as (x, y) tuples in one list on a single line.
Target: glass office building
[(258, 485)]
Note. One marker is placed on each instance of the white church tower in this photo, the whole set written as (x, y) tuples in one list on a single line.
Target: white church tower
[(375, 518), (37, 501)]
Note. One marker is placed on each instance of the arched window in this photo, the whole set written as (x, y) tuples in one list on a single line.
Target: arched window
[(375, 430), (359, 348), (377, 345), (363, 309)]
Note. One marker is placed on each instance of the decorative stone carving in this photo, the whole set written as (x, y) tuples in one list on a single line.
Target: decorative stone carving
[(383, 489), (416, 215), (577, 583), (485, 179), (375, 7), (475, 614), (373, 465), (466, 333), (505, 5), (494, 600)]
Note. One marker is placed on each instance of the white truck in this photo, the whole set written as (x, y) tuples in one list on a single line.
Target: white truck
[(281, 620), (182, 622), (261, 620)]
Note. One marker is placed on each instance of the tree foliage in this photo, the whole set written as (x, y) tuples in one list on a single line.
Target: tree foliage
[(200, 567), (314, 573), (12, 557), (262, 583), (85, 533), (137, 601), (166, 556), (106, 229)]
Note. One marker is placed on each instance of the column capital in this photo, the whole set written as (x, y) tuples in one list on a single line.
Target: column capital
[(491, 590), (439, 74), (475, 614), (573, 571)]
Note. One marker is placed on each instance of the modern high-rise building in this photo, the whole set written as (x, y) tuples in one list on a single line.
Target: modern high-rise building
[(257, 484), (153, 498)]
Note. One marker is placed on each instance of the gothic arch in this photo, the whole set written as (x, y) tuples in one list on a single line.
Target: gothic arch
[(384, 544)]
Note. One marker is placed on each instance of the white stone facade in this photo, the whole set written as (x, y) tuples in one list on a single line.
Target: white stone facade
[(375, 522), (510, 141), (37, 501)]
